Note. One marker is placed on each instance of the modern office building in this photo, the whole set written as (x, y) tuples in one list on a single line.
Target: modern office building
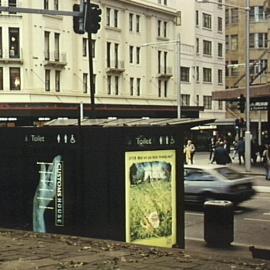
[(44, 67)]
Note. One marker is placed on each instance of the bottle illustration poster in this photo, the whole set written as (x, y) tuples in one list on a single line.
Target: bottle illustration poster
[(150, 197)]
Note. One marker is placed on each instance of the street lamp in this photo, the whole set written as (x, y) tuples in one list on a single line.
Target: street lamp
[(247, 132), (178, 68)]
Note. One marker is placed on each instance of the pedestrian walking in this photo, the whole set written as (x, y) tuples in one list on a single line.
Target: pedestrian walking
[(266, 159), (212, 148), (235, 149), (221, 156), (189, 151), (241, 150)]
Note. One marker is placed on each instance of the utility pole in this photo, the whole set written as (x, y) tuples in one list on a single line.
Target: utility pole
[(91, 72)]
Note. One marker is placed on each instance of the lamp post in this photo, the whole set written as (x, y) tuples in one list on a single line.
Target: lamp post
[(177, 68), (247, 132)]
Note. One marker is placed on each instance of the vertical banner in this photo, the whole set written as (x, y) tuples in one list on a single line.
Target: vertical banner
[(151, 197), (49, 195)]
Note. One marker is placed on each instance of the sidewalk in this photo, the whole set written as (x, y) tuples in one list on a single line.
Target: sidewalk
[(28, 251)]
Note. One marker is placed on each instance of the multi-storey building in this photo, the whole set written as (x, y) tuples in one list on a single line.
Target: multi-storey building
[(236, 58), (44, 64)]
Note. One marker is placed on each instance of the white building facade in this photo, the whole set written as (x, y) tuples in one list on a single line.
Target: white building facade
[(44, 64)]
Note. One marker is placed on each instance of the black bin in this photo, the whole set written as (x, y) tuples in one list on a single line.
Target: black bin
[(218, 223)]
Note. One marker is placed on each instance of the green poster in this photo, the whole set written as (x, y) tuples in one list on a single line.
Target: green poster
[(150, 198)]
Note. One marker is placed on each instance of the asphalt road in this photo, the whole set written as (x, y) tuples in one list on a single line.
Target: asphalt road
[(251, 222)]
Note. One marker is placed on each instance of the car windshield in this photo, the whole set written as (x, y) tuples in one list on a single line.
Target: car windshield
[(229, 173)]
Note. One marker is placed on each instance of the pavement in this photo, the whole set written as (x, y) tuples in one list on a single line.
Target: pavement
[(23, 250)]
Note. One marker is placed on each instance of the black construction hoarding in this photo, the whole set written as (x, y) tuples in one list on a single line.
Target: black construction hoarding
[(119, 183)]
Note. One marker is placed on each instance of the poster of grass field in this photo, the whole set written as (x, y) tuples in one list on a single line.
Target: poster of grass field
[(150, 198)]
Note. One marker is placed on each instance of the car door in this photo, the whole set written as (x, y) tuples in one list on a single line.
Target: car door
[(197, 182)]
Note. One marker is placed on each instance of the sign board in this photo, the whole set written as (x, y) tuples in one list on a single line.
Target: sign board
[(259, 106), (151, 198)]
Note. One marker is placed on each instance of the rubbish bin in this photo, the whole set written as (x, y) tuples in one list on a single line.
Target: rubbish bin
[(218, 223)]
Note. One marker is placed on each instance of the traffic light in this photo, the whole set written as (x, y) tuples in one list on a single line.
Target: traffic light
[(241, 103), (78, 22), (92, 18)]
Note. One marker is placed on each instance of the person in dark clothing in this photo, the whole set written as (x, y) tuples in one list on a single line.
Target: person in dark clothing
[(241, 150), (254, 151), (221, 156)]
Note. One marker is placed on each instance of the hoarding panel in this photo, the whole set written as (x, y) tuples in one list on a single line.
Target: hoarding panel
[(151, 197)]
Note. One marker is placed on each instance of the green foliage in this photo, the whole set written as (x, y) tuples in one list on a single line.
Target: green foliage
[(146, 200)]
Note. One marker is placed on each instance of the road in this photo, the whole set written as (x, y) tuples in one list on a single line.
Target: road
[(251, 222)]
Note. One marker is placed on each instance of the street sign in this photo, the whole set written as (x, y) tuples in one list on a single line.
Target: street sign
[(259, 106)]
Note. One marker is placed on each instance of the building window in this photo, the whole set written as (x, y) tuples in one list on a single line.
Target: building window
[(138, 86), (56, 47), (220, 50), (234, 68), (1, 44), (12, 3), (109, 84), (108, 16), (185, 100), (234, 15), (116, 18), (220, 76), (84, 44), (207, 75), (138, 18), (47, 80), (197, 18), (47, 45), (131, 86), (197, 73), (184, 74), (138, 50), (116, 49), (159, 28), (130, 22), (227, 16), (159, 88), (220, 24), (220, 4), (197, 45), (14, 43), (159, 62), (164, 29), (85, 82), (116, 80), (15, 78), (220, 105), (131, 54), (207, 21), (108, 54), (207, 102), (1, 79), (262, 40), (56, 5), (46, 4), (57, 80), (197, 100), (165, 88), (227, 43), (234, 42), (207, 47)]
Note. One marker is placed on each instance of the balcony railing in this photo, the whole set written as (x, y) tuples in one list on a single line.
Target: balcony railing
[(11, 56), (55, 58), (115, 66), (165, 72)]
